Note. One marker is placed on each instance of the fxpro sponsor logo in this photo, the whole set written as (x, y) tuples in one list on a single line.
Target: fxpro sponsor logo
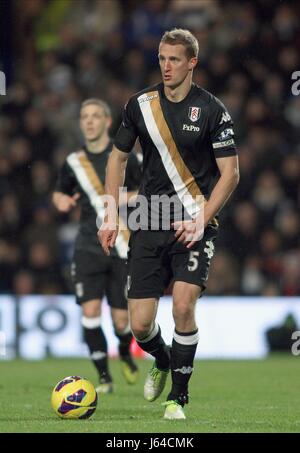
[(296, 84), (190, 128), (2, 84)]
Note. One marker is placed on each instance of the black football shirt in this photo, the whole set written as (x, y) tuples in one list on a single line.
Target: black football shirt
[(84, 172), (180, 141)]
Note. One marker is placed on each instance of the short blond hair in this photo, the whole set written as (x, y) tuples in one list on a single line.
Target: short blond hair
[(99, 102), (184, 37)]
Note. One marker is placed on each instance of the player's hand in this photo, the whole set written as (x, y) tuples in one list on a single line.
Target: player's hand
[(107, 235), (189, 231), (64, 203)]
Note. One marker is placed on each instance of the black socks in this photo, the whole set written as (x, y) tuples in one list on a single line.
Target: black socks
[(155, 345), (125, 341), (97, 344), (184, 347)]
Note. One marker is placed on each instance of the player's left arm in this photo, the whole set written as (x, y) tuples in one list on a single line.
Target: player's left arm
[(189, 232), (229, 179), (225, 154)]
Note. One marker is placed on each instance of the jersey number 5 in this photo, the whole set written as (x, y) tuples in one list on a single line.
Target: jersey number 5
[(193, 261), (193, 258)]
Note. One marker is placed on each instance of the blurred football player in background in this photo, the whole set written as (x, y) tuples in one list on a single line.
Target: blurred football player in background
[(80, 181)]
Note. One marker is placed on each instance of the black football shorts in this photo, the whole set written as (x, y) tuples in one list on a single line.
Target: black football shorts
[(95, 275), (155, 258)]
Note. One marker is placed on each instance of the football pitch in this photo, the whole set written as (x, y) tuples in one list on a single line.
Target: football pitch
[(225, 396)]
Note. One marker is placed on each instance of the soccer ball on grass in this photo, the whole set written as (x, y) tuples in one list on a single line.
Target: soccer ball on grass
[(74, 397)]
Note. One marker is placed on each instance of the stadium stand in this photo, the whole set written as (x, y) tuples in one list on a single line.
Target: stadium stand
[(66, 51)]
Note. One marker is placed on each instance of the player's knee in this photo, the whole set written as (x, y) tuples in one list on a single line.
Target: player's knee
[(91, 310), (183, 312), (140, 329), (121, 326)]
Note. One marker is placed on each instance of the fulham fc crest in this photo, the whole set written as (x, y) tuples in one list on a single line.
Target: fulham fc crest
[(194, 113)]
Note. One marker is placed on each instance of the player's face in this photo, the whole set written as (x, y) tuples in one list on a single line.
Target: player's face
[(93, 122), (174, 64)]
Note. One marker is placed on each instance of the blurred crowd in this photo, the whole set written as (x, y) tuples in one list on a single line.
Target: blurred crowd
[(74, 49)]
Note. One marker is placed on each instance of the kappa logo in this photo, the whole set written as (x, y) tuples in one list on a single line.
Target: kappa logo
[(225, 118), (209, 250), (194, 113), (98, 355), (128, 282), (185, 370)]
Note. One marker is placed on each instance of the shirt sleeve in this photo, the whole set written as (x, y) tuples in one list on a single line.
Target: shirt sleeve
[(221, 130), (66, 181), (127, 133), (133, 174)]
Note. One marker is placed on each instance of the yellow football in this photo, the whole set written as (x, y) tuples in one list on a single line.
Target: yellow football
[(74, 397)]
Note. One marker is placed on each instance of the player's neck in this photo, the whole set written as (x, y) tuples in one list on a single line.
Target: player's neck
[(97, 146), (177, 94)]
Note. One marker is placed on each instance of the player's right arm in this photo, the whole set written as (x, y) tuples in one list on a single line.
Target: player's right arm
[(63, 202), (115, 175), (65, 196)]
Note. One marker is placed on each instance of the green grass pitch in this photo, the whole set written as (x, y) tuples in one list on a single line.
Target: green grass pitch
[(225, 396)]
